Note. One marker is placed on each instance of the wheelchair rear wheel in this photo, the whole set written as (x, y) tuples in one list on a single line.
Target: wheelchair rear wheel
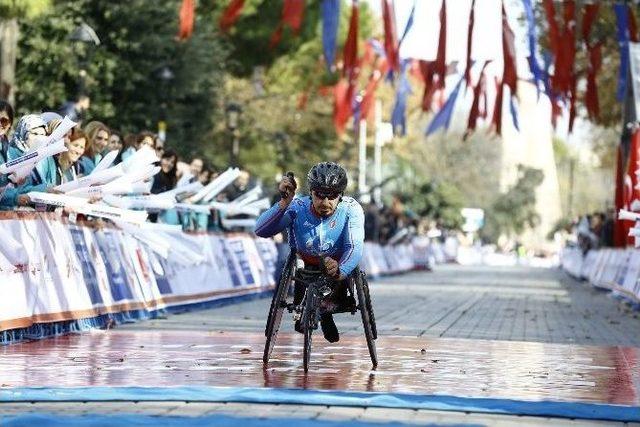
[(364, 305)]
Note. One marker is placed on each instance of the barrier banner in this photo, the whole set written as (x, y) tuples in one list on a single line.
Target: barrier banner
[(614, 269), (67, 277)]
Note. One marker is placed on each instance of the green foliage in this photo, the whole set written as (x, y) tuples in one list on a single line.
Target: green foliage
[(22, 8), (515, 210), (439, 201), (126, 92)]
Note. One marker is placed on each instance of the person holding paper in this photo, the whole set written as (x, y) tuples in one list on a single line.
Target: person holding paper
[(29, 130), (96, 143), (67, 167), (8, 193), (166, 180)]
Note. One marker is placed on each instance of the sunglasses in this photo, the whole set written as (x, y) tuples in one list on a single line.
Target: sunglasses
[(4, 122), (326, 195)]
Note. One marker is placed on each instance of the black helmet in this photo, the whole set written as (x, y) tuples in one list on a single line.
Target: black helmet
[(327, 176)]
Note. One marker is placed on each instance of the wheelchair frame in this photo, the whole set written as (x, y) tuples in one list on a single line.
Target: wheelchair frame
[(310, 314)]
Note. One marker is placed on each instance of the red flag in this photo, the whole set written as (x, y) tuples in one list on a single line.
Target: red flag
[(427, 70), (554, 32), (594, 52), (187, 18), (390, 35), (441, 60), (350, 52), (342, 110), (619, 235), (572, 106), (509, 72), (230, 15), (434, 72), (292, 15), (631, 180), (369, 93), (633, 26), (565, 59), (467, 70), (474, 114)]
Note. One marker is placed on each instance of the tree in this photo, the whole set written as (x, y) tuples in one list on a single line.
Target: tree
[(514, 211), (137, 40), (439, 201)]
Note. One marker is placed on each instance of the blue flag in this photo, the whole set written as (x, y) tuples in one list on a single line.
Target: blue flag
[(409, 24), (398, 116), (330, 23), (443, 118), (534, 66), (622, 33), (514, 114)]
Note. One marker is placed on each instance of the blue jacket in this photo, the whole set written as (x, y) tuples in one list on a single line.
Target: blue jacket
[(339, 236)]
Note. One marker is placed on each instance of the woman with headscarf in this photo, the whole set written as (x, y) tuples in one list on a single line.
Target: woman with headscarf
[(29, 131)]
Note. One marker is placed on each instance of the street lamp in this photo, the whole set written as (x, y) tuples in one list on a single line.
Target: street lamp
[(83, 38), (166, 76), (233, 112)]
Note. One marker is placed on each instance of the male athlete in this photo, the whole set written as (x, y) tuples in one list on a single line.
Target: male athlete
[(327, 226)]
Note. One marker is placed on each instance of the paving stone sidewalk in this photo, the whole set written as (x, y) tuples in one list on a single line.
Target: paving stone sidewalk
[(493, 303)]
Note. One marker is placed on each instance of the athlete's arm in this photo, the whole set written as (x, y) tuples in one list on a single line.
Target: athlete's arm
[(354, 240), (274, 220), (280, 215)]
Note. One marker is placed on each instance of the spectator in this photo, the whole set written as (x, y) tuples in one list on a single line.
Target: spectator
[(159, 144), (116, 144), (129, 146), (6, 121), (75, 109), (98, 138), (145, 138), (205, 176), (166, 180), (195, 167), (29, 129), (8, 193), (67, 162)]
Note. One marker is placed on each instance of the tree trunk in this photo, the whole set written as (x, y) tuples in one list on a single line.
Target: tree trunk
[(9, 32)]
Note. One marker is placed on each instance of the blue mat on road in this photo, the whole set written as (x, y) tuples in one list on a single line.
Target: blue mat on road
[(54, 420), (578, 410)]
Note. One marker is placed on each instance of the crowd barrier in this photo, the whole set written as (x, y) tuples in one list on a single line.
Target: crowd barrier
[(58, 277), (617, 270)]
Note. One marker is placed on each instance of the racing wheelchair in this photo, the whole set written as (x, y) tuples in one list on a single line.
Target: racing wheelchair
[(311, 308)]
